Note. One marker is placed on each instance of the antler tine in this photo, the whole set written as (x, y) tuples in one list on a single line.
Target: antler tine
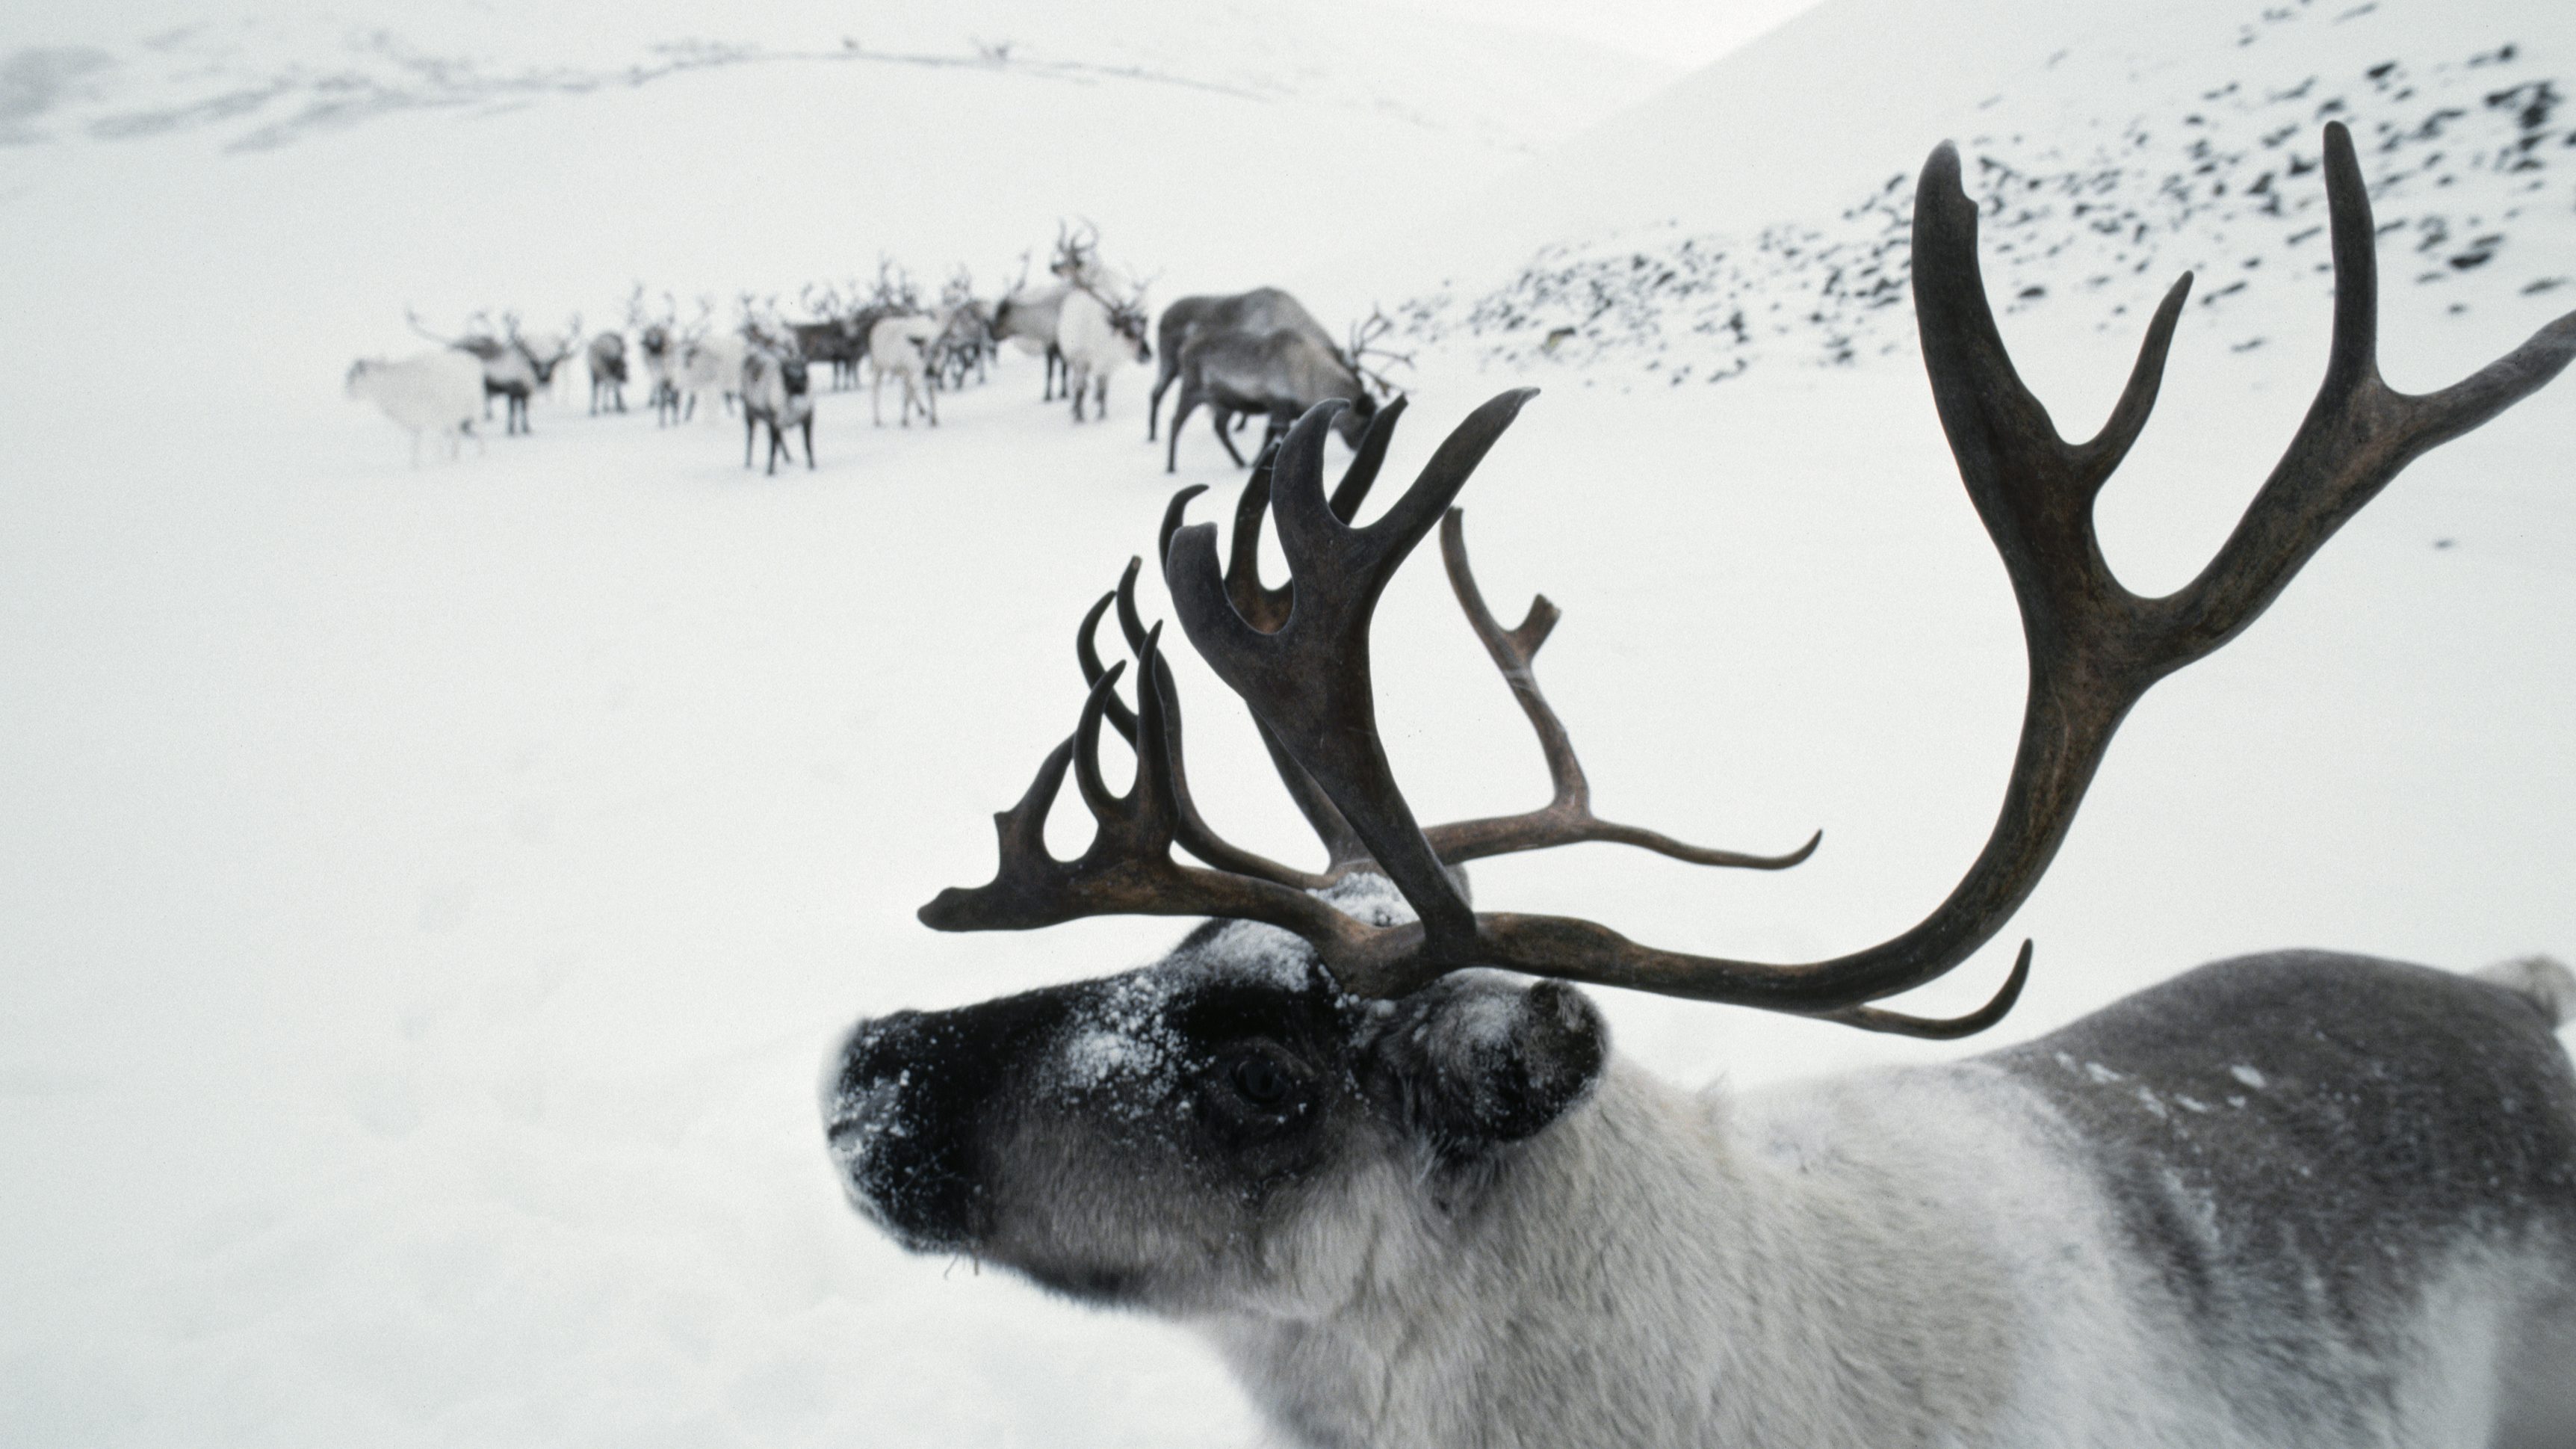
[(1567, 818), (2357, 434), (1365, 461), (1266, 609), (1189, 828), (1087, 650), (1309, 680), (1157, 693), (1128, 869)]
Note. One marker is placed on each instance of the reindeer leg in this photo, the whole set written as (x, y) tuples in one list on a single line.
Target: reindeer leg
[(808, 427), (876, 398), (750, 427), (1182, 407), (1224, 434)]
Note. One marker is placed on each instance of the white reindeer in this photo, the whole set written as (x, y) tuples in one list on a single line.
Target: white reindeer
[(2293, 1201), (711, 366), (899, 347), (1098, 335), (437, 392), (515, 367)]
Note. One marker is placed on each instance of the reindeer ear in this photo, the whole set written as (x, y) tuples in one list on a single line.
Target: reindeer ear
[(1479, 1058)]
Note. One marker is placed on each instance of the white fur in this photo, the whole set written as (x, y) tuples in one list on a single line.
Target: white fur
[(437, 392), (711, 367), (1902, 1258), (1093, 348), (899, 347)]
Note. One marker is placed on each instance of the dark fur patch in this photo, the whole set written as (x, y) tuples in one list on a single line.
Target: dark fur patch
[(1471, 1062), (2302, 1138), (919, 1086)]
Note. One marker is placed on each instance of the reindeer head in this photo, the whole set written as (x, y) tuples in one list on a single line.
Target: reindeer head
[(1283, 1125), (1077, 253), (1129, 320), (1334, 1068)]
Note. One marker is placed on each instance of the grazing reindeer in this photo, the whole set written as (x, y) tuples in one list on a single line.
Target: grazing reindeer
[(607, 356), (2295, 1200), (899, 347), (1098, 335), (1279, 375), (434, 392), (1263, 309), (775, 392)]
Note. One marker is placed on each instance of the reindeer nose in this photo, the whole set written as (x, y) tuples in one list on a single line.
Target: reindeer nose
[(906, 1099)]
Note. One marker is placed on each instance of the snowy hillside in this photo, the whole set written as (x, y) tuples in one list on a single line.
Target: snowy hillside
[(270, 76), (2182, 138), (428, 894)]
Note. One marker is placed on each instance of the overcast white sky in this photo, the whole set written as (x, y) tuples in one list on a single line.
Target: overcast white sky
[(1684, 33)]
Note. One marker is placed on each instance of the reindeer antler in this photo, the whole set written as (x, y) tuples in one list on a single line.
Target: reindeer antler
[(1363, 337), (413, 318), (1301, 661)]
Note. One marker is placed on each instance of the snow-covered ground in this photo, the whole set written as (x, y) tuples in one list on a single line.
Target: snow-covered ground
[(427, 895)]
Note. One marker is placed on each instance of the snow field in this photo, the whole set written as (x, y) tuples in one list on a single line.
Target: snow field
[(429, 895)]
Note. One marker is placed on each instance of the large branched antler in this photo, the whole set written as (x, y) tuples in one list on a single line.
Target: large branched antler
[(1299, 655)]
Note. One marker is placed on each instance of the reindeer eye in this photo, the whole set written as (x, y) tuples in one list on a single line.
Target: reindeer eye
[(1260, 1081)]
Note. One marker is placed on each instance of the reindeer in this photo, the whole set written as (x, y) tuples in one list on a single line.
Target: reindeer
[(433, 392), (1263, 309), (607, 356), (899, 347), (546, 352), (710, 362), (833, 337), (1374, 1143), (1098, 334), (514, 369), (658, 339), (965, 341), (775, 392), (1280, 375), (1028, 321)]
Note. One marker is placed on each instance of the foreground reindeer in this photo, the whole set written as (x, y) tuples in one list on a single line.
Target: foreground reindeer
[(2289, 1200)]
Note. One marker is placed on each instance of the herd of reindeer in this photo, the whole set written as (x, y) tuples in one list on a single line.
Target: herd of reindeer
[(1251, 354)]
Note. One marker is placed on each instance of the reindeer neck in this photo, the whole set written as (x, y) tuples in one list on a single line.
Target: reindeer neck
[(1642, 1230)]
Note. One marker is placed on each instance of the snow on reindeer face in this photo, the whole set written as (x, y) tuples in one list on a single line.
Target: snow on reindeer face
[(1221, 1129)]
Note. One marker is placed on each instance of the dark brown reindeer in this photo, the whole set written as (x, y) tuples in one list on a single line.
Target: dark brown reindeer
[(1277, 375), (1263, 309), (2296, 1200)]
